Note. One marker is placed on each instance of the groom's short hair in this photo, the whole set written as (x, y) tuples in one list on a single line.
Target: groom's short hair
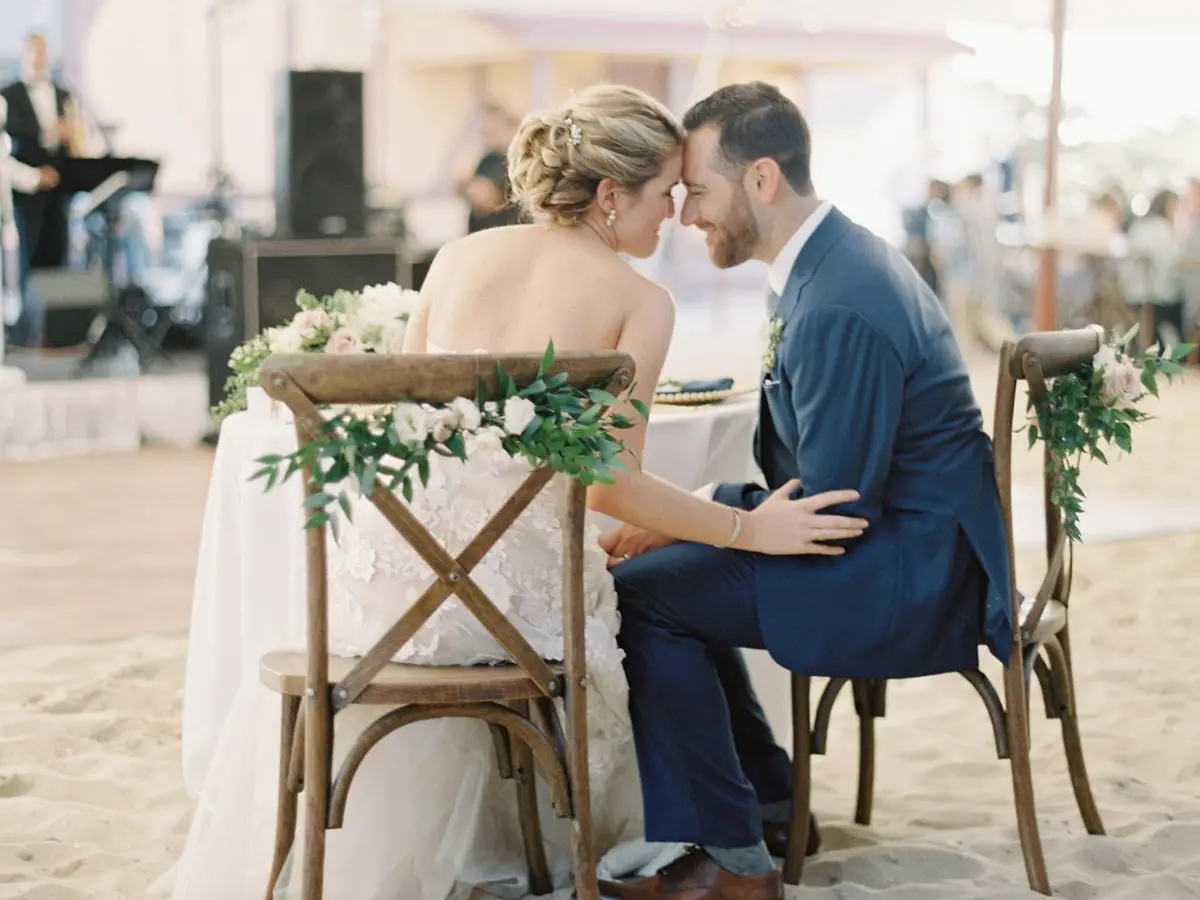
[(756, 120)]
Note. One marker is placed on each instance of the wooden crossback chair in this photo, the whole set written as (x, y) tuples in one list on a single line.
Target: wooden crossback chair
[(516, 701), (1040, 641)]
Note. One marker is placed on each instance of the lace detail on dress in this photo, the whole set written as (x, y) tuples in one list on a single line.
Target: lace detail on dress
[(375, 576)]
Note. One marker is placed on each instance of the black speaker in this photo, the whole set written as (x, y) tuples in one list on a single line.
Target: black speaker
[(320, 177), (252, 286), (72, 300)]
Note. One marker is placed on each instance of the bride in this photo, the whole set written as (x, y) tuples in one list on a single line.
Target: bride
[(428, 818)]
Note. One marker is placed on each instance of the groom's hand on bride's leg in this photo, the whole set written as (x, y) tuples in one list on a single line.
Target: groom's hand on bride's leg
[(629, 541)]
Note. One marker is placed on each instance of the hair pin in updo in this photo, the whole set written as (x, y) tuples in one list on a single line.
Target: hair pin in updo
[(575, 136)]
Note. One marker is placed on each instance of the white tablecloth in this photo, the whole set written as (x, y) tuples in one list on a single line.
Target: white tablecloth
[(249, 593)]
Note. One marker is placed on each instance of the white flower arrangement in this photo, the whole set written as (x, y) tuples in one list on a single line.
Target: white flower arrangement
[(373, 320), (1098, 405)]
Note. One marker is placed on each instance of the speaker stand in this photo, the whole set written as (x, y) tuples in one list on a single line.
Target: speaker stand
[(128, 329)]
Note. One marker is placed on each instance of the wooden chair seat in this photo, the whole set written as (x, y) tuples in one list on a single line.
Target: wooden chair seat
[(284, 672)]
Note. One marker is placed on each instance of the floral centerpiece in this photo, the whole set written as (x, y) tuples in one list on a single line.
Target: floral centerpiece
[(1096, 406), (548, 423), (373, 320)]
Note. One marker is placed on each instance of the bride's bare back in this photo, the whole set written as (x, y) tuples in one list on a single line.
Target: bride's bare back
[(510, 290)]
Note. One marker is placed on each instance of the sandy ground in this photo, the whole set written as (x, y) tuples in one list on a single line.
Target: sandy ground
[(97, 558)]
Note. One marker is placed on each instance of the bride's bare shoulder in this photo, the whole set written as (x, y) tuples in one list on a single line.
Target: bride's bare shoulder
[(481, 241), (645, 294)]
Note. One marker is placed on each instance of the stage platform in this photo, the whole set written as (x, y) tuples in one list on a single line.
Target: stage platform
[(46, 413)]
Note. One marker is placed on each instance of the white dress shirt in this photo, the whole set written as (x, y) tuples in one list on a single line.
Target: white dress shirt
[(45, 107), (21, 178), (785, 259), (777, 279)]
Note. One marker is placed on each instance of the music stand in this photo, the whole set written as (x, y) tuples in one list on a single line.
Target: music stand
[(107, 181)]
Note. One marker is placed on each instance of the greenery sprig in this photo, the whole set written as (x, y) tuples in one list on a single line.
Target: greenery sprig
[(1095, 408), (548, 422)]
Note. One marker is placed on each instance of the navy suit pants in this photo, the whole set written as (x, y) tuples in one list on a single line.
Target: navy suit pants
[(706, 754)]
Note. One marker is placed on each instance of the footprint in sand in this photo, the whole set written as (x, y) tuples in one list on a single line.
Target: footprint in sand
[(145, 671), (69, 702), (13, 784)]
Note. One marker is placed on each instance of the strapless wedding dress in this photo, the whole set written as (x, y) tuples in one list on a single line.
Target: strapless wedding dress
[(428, 816)]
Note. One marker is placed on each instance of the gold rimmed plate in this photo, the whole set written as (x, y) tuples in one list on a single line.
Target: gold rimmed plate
[(698, 398)]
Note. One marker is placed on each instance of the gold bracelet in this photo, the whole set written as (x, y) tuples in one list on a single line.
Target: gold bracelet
[(737, 530)]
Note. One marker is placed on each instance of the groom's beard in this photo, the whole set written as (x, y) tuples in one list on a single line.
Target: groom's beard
[(737, 236)]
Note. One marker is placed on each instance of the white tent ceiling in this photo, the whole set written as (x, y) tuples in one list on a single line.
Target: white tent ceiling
[(906, 15)]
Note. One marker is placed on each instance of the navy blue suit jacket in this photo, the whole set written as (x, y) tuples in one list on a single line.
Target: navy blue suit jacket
[(869, 391)]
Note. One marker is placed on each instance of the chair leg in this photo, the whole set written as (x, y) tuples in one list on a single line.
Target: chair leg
[(793, 864), (318, 759), (868, 703), (583, 855), (523, 773), (1017, 716), (285, 811), (1059, 651)]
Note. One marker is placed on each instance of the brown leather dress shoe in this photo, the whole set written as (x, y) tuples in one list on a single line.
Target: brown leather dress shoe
[(695, 876), (775, 836)]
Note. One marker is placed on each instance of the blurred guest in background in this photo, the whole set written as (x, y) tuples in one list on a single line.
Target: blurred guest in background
[(45, 129), (976, 296), (1151, 272), (1190, 264), (487, 190), (1107, 211), (919, 232)]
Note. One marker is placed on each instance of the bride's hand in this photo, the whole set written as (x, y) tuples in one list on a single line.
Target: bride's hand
[(781, 526)]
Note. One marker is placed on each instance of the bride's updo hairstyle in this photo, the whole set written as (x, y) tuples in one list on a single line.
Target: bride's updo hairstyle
[(559, 157)]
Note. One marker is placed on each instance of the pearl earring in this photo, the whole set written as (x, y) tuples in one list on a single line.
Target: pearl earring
[(611, 217)]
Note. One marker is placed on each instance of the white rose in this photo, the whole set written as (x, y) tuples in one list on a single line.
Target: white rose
[(442, 424), (392, 340), (285, 340), (411, 423), (389, 301), (486, 440), (1105, 358), (468, 412), (1122, 384), (370, 319), (344, 341), (308, 322), (492, 408), (518, 413)]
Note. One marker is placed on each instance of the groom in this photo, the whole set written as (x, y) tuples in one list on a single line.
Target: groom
[(864, 388)]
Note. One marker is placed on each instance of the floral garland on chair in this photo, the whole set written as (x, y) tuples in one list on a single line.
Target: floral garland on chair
[(1096, 405), (372, 320), (548, 422)]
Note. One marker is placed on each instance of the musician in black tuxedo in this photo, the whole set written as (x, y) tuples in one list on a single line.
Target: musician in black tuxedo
[(43, 125)]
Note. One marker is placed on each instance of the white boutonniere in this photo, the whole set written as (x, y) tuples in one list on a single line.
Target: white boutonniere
[(774, 335)]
